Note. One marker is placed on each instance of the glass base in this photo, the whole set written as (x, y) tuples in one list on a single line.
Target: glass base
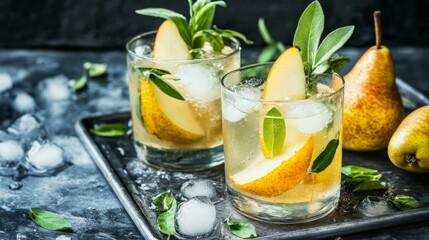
[(282, 213), (180, 160)]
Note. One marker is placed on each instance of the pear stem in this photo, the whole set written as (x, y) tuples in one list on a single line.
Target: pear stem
[(377, 24)]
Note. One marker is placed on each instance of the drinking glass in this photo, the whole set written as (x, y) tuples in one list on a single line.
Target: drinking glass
[(169, 133), (301, 182)]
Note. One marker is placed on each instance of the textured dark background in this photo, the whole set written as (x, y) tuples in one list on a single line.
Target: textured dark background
[(109, 24)]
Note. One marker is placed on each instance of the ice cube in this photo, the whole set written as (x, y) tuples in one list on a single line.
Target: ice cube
[(26, 125), (55, 88), (45, 155), (74, 151), (23, 102), (6, 82), (196, 217), (375, 206), (235, 108), (201, 84), (202, 188), (309, 117), (11, 151), (143, 50)]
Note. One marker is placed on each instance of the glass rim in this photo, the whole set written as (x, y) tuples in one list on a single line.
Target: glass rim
[(153, 32), (286, 101)]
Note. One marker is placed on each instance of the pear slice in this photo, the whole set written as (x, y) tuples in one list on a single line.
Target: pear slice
[(166, 117), (286, 79), (169, 45), (279, 175)]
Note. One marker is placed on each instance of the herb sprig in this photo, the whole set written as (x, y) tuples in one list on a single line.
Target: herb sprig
[(199, 29), (110, 130), (159, 78), (273, 48), (362, 179), (166, 204), (319, 60)]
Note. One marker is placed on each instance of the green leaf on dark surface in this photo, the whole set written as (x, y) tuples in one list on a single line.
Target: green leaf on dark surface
[(309, 31), (354, 171), (166, 204), (240, 229), (49, 220), (325, 157), (355, 181), (95, 69), (404, 203), (274, 131), (370, 186), (332, 43), (80, 83), (110, 130)]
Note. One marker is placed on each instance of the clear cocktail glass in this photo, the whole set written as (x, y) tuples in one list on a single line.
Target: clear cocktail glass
[(302, 181), (171, 133)]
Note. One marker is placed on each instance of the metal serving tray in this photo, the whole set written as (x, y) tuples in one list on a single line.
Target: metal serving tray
[(135, 184)]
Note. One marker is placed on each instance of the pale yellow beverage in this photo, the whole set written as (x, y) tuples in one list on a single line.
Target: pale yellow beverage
[(297, 180)]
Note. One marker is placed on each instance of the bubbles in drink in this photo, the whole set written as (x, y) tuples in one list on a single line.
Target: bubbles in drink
[(6, 82), (196, 217), (202, 188), (375, 206), (309, 117), (199, 83), (23, 102)]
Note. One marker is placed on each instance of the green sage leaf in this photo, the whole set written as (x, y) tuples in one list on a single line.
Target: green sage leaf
[(355, 181), (274, 131), (204, 15), (80, 83), (177, 18), (263, 30), (155, 75), (337, 63), (354, 171), (370, 185), (334, 41), (49, 220), (309, 30), (167, 205), (404, 203), (110, 130), (325, 158), (240, 229), (212, 37), (95, 69)]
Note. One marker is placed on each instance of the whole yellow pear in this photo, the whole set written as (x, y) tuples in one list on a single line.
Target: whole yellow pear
[(409, 146), (372, 104)]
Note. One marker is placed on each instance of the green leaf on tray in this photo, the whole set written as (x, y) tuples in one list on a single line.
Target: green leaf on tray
[(166, 204), (274, 131), (362, 179), (49, 220), (110, 130), (370, 186), (240, 229), (325, 158), (354, 171), (404, 203), (156, 75)]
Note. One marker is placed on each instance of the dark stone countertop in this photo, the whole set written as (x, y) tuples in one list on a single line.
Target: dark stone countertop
[(79, 192)]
